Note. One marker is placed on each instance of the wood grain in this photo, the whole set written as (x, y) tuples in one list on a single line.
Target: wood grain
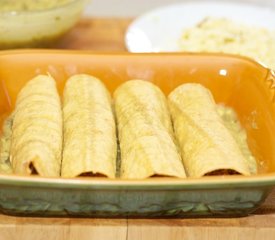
[(108, 35), (61, 228), (99, 34)]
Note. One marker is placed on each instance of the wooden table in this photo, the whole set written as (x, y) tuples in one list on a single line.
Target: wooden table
[(108, 35), (101, 35)]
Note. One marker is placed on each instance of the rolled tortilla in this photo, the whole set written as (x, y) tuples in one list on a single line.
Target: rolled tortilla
[(145, 132), (232, 123), (36, 143), (207, 146), (5, 143), (90, 145)]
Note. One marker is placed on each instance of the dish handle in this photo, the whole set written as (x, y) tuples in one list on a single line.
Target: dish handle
[(270, 79)]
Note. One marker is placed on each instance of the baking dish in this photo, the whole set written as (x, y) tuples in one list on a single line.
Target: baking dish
[(238, 82)]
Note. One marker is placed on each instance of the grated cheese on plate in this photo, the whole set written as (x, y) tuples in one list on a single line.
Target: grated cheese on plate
[(223, 35)]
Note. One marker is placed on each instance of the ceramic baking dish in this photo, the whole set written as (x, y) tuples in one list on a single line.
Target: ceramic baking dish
[(237, 82)]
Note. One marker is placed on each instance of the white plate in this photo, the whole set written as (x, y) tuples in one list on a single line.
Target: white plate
[(161, 29)]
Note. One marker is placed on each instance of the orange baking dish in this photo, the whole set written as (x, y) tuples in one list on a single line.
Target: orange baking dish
[(238, 82)]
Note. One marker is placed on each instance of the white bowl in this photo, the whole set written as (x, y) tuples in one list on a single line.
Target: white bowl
[(160, 30)]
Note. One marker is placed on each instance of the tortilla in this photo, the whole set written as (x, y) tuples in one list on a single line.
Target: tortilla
[(145, 132), (90, 146), (36, 143), (232, 123), (207, 146)]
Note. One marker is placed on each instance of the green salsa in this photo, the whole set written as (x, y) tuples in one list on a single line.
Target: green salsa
[(30, 5), (231, 122)]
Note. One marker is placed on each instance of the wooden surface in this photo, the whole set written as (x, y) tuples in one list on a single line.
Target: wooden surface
[(108, 35), (102, 35)]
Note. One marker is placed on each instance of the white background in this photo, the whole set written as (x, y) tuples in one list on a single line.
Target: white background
[(132, 8)]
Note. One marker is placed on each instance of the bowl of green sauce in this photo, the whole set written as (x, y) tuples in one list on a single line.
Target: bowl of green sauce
[(36, 23)]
